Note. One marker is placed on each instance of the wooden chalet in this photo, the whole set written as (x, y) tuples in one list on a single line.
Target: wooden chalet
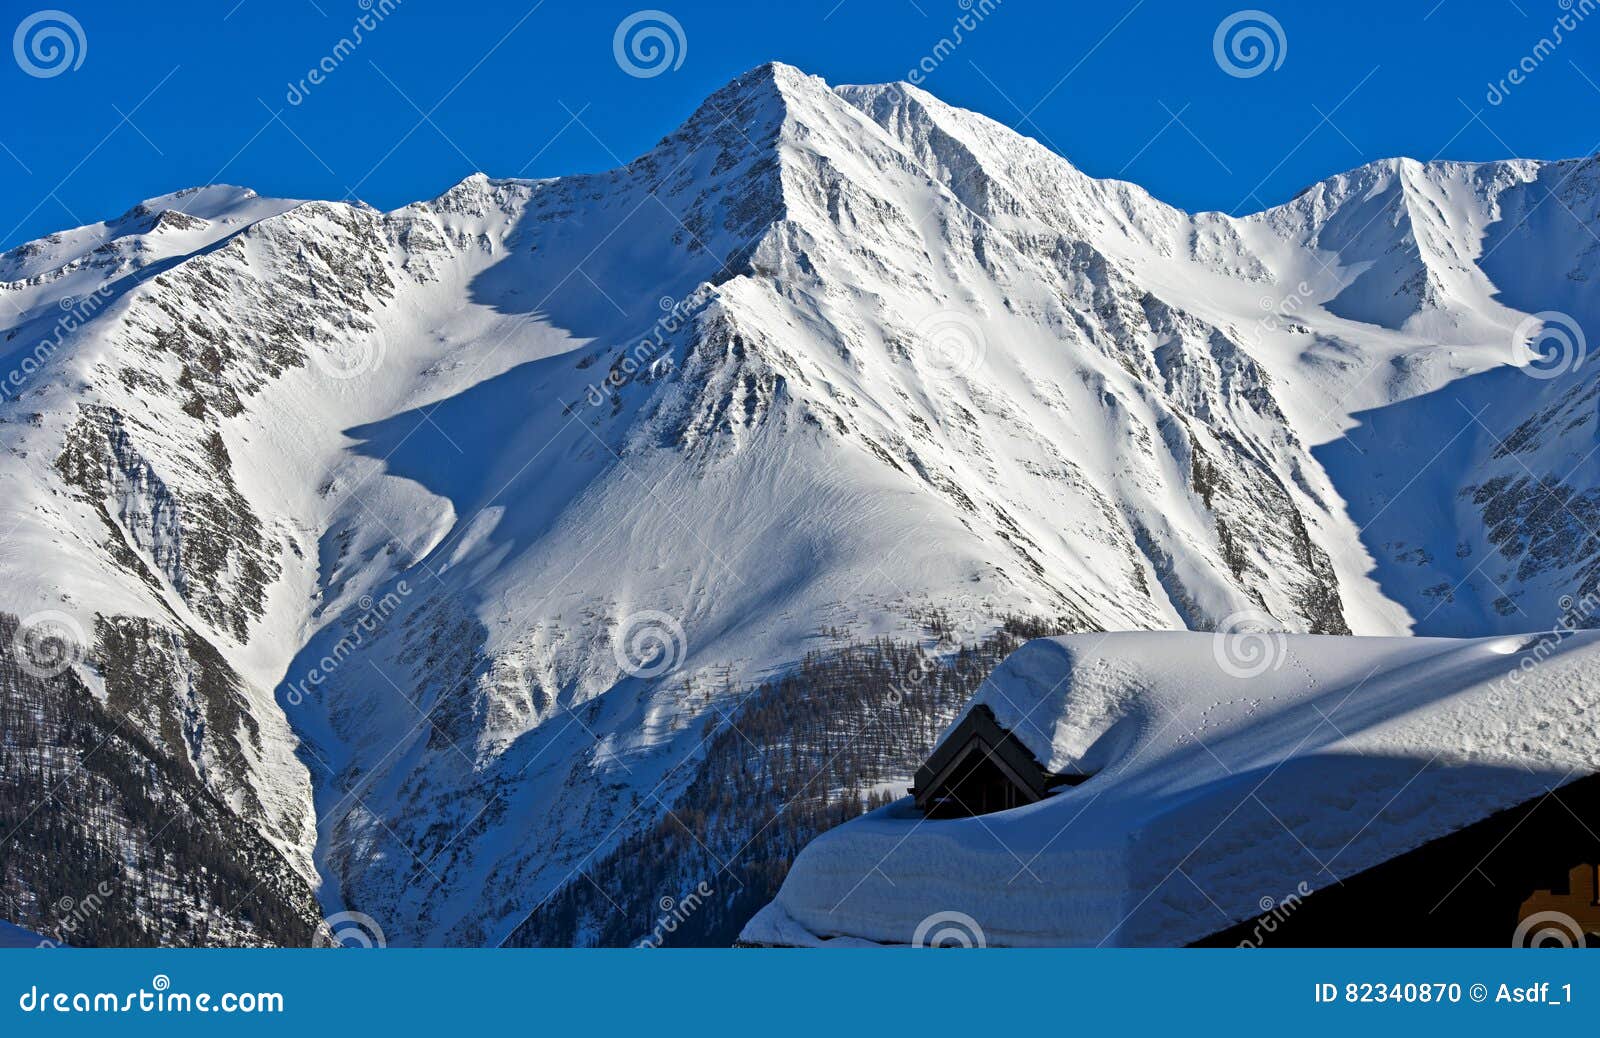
[(981, 768)]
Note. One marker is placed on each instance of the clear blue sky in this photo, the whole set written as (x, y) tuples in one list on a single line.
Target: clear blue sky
[(1121, 87)]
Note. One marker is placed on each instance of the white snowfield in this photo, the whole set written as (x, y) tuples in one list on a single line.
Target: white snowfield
[(1227, 770)]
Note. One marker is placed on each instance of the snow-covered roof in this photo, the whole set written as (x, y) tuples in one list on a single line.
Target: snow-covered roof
[(14, 936), (1229, 770)]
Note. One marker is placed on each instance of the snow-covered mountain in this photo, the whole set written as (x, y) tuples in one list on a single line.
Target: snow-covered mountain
[(434, 541)]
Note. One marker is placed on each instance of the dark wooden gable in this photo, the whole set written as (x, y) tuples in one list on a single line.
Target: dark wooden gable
[(982, 767)]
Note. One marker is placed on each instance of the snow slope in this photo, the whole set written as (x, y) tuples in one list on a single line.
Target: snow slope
[(1225, 769), (434, 540)]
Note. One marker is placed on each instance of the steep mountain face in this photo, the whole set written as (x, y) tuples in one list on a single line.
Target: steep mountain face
[(435, 543)]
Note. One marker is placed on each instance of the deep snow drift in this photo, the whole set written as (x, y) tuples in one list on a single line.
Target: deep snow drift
[(1226, 770)]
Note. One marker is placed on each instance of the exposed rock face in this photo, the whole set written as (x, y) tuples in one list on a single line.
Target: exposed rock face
[(376, 526)]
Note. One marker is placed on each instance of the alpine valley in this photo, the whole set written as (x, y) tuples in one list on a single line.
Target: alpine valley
[(508, 565)]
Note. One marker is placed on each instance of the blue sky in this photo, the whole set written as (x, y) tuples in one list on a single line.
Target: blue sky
[(199, 93)]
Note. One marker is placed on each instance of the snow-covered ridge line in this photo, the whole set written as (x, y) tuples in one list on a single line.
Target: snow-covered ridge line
[(206, 201)]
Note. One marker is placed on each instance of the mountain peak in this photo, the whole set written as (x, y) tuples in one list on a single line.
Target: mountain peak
[(766, 89), (778, 72)]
